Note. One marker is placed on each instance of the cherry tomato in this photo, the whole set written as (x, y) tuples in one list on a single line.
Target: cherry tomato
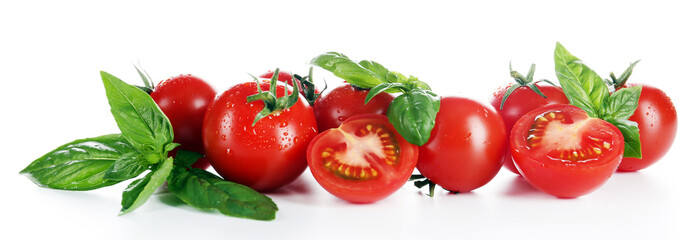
[(520, 102), (362, 161), (656, 118), (466, 148), (184, 100), (265, 156), (336, 106), (560, 150)]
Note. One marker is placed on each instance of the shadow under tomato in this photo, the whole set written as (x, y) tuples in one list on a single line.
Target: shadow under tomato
[(298, 186), (520, 187)]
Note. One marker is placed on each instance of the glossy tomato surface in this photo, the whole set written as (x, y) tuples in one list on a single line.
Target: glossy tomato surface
[(520, 102), (184, 100), (467, 145), (656, 118), (345, 101), (362, 161), (560, 150), (265, 156)]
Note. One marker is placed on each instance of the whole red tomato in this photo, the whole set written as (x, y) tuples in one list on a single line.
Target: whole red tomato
[(345, 101), (521, 101), (560, 150), (263, 156), (656, 118), (362, 161), (184, 100), (466, 148)]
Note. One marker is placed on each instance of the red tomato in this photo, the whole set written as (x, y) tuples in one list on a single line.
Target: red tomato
[(560, 150), (466, 148), (345, 101), (265, 156), (184, 100), (656, 118), (520, 102), (362, 161)]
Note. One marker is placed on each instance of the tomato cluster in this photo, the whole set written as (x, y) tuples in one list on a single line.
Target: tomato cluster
[(264, 135)]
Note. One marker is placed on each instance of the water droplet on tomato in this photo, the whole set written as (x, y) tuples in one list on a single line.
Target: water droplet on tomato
[(342, 118), (223, 137), (285, 133), (296, 139)]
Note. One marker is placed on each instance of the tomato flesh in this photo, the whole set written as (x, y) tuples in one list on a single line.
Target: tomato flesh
[(561, 151), (364, 160), (520, 102)]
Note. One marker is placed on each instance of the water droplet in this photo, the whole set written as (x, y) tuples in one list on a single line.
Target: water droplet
[(296, 139), (285, 133), (283, 124), (342, 118), (223, 137)]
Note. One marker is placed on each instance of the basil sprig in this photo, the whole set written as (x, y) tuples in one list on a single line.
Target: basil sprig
[(413, 113), (586, 90), (143, 145)]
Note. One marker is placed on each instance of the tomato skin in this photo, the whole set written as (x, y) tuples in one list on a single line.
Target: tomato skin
[(656, 118), (467, 145), (560, 177), (265, 156), (520, 102), (391, 178), (184, 100), (345, 101)]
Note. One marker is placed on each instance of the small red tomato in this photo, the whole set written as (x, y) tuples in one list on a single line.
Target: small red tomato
[(560, 150), (656, 118), (466, 148), (345, 101), (264, 156), (362, 161), (184, 100), (520, 102)]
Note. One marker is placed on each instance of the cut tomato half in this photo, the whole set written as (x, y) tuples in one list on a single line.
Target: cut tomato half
[(560, 150), (364, 160)]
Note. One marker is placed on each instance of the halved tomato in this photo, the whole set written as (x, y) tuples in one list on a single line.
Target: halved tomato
[(560, 150), (362, 161)]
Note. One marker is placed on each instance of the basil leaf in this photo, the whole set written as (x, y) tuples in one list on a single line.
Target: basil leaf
[(631, 134), (204, 190), (140, 190), (413, 115), (582, 86), (383, 87), (128, 166), (141, 122), (622, 103), (79, 165), (186, 158), (379, 69), (354, 73)]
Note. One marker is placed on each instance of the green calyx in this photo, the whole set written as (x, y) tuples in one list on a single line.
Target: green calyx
[(523, 81), (619, 82), (308, 87), (421, 181), (273, 104), (148, 85)]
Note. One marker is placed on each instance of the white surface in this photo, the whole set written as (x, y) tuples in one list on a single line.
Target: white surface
[(51, 53)]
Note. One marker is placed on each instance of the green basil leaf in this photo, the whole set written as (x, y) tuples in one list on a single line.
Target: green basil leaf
[(413, 115), (204, 190), (128, 166), (79, 165), (631, 134), (354, 73), (379, 70), (622, 103), (141, 121), (582, 86), (140, 190), (186, 158), (383, 87)]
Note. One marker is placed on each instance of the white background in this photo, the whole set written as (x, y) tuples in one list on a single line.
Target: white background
[(51, 54)]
